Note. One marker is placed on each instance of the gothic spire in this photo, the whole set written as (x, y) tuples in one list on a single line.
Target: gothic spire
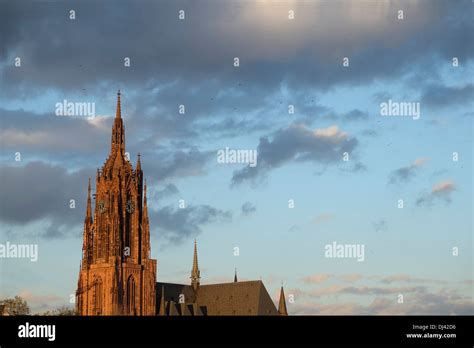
[(139, 165), (118, 113), (118, 130), (282, 305), (162, 302), (195, 273), (235, 276)]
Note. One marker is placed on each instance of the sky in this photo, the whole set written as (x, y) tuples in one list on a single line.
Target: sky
[(334, 170)]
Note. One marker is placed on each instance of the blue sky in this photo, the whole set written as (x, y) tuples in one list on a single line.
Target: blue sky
[(282, 62)]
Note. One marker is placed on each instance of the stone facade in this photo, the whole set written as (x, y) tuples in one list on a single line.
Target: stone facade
[(117, 276)]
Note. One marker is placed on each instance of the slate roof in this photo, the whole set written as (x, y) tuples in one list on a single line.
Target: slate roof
[(236, 298)]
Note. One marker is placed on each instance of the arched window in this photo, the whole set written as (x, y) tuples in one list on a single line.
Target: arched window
[(131, 296), (98, 296)]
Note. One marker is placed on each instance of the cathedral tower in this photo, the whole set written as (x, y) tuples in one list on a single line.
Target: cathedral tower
[(117, 276)]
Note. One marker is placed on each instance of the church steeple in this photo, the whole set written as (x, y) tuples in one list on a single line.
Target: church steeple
[(195, 273), (282, 305), (117, 238), (118, 130)]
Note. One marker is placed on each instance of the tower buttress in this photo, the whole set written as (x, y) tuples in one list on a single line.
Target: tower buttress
[(87, 242), (145, 229)]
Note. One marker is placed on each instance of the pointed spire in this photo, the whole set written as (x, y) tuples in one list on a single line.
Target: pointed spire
[(235, 276), (118, 113), (118, 131), (139, 165), (162, 302), (88, 210), (282, 305), (195, 273)]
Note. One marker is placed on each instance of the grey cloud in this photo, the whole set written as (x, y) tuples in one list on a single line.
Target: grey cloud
[(52, 45), (441, 191), (40, 191), (248, 208), (404, 174), (169, 190), (356, 115), (176, 164), (177, 224), (380, 226), (62, 137), (443, 96), (297, 143)]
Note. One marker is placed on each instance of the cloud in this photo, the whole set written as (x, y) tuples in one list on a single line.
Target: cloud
[(174, 164), (419, 299), (39, 191), (405, 278), (62, 137), (169, 190), (42, 302), (324, 217), (356, 115), (177, 224), (441, 302), (437, 96), (317, 278), (297, 143), (353, 277), (248, 208), (323, 277), (380, 226), (404, 174), (440, 191), (362, 290), (264, 46)]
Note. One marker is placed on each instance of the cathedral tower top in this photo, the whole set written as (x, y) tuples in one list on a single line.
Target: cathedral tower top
[(118, 130)]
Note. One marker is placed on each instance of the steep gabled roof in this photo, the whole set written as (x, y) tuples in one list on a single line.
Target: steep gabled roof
[(236, 298)]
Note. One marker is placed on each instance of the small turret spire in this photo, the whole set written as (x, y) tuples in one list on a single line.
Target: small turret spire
[(139, 165), (282, 305), (118, 113), (195, 273), (162, 302)]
